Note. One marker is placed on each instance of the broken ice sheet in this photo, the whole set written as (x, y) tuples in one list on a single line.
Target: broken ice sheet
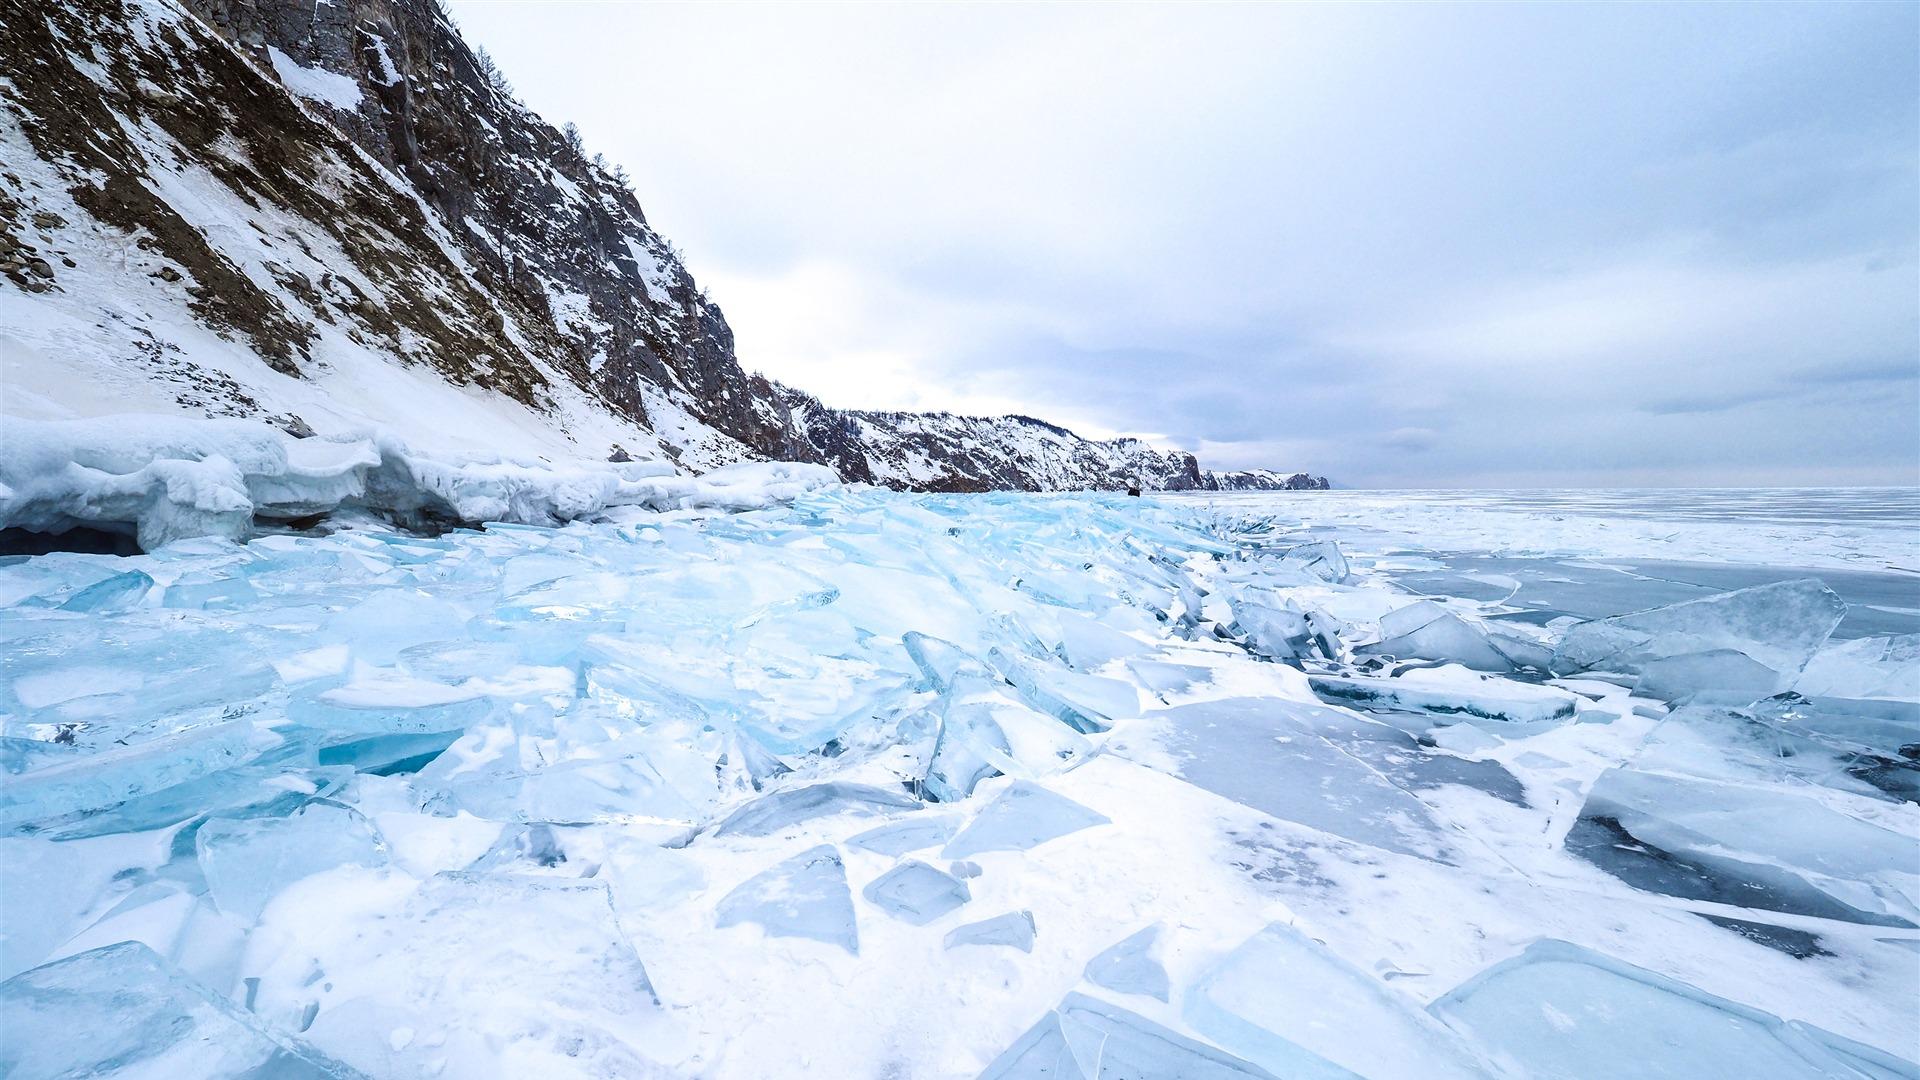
[(471, 975), (1014, 930), (900, 837), (1025, 815), (805, 896), (1280, 993), (246, 861), (1264, 753), (984, 731), (1765, 848), (1087, 1039), (1428, 631), (1451, 690), (783, 810), (122, 1011), (1779, 627), (917, 893), (1130, 967), (1558, 1010)]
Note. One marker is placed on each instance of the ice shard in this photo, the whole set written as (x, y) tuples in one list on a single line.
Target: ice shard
[(1087, 1039), (122, 1011), (805, 896), (1563, 1011), (1014, 930), (1428, 631), (1280, 993), (783, 810), (1130, 967), (917, 893), (246, 861), (1023, 816), (1778, 627)]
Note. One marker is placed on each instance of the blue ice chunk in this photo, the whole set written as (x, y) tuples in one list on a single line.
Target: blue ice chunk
[(805, 896), (916, 893), (1129, 967), (123, 1011), (112, 594), (984, 732), (1087, 1039), (1430, 632), (208, 591), (1322, 560), (940, 662), (1760, 847), (1563, 1011), (1014, 930), (900, 837), (247, 861), (783, 810), (1779, 626), (1278, 631), (1281, 997), (100, 780), (1086, 703), (1024, 816), (964, 869)]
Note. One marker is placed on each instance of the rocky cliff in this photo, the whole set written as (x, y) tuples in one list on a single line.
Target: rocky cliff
[(336, 216)]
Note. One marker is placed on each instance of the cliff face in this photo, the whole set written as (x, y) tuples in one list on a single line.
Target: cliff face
[(328, 214)]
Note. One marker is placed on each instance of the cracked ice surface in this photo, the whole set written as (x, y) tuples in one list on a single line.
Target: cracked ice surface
[(869, 784)]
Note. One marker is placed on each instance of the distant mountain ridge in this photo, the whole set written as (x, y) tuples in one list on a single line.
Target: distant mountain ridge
[(334, 216)]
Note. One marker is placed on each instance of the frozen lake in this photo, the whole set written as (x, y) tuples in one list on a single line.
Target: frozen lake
[(1393, 785)]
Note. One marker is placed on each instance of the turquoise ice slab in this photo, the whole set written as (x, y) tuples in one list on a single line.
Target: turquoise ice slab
[(785, 809), (1561, 1012), (1129, 967), (1087, 1039), (1014, 930), (122, 1011), (1280, 994), (805, 896), (1024, 816), (917, 893)]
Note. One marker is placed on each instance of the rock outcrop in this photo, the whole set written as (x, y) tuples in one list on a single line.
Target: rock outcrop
[(274, 208)]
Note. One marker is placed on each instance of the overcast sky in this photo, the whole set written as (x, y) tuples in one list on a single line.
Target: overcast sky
[(1483, 245)]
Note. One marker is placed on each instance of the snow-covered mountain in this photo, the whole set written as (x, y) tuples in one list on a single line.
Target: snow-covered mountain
[(336, 218)]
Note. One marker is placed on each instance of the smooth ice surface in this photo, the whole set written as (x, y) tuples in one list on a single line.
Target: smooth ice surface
[(805, 896), (1015, 930), (1566, 1013), (917, 893), (1023, 816), (1129, 966), (1089, 1039), (122, 1011)]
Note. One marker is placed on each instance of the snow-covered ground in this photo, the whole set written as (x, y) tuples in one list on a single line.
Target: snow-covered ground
[(861, 784)]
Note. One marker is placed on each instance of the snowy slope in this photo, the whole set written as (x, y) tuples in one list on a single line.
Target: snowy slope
[(330, 218)]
